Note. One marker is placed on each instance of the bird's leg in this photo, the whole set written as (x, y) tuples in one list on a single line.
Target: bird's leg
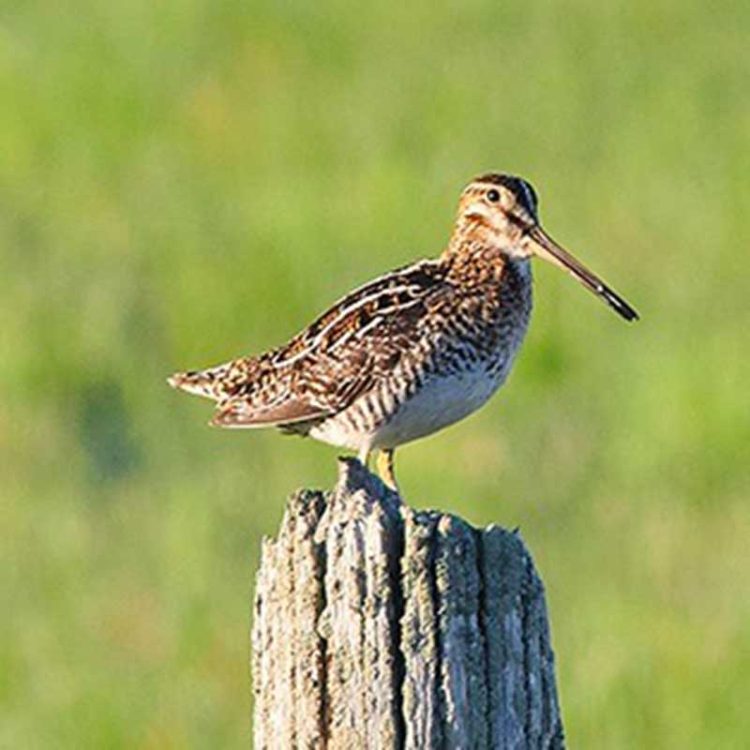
[(385, 468)]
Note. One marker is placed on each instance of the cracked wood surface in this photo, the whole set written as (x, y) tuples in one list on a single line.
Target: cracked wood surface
[(378, 626)]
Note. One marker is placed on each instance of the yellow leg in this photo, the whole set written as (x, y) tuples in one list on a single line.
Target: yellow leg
[(386, 467)]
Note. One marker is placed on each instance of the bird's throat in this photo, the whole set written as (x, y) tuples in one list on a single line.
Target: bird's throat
[(475, 263)]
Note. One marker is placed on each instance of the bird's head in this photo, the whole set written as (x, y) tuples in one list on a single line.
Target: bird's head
[(500, 212)]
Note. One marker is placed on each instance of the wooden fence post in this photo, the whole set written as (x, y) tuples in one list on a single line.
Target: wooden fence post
[(378, 626)]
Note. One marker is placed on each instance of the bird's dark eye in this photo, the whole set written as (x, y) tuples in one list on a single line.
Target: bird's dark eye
[(493, 196)]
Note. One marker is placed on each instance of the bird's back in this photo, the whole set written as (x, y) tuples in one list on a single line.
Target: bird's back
[(323, 369)]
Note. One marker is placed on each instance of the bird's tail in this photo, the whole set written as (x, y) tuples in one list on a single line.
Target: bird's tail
[(206, 383)]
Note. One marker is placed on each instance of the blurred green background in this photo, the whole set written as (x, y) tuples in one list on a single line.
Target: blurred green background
[(186, 181)]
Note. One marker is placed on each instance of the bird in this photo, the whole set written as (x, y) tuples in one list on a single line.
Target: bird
[(412, 351)]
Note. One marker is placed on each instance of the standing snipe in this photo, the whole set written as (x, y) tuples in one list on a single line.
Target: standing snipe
[(413, 351)]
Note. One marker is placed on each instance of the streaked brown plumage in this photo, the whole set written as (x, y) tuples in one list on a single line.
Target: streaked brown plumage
[(412, 351)]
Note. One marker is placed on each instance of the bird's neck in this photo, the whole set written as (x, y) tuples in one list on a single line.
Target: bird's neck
[(470, 260)]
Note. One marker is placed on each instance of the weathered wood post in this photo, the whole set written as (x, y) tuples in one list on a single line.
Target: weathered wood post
[(378, 626)]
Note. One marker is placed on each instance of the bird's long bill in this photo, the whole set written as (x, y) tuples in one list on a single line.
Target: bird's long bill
[(547, 248)]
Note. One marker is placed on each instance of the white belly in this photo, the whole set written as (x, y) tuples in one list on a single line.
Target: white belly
[(439, 403)]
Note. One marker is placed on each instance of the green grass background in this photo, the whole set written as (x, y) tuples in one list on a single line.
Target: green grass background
[(182, 182)]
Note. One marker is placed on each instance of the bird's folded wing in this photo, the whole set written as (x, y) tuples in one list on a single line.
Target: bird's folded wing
[(239, 413), (338, 358)]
